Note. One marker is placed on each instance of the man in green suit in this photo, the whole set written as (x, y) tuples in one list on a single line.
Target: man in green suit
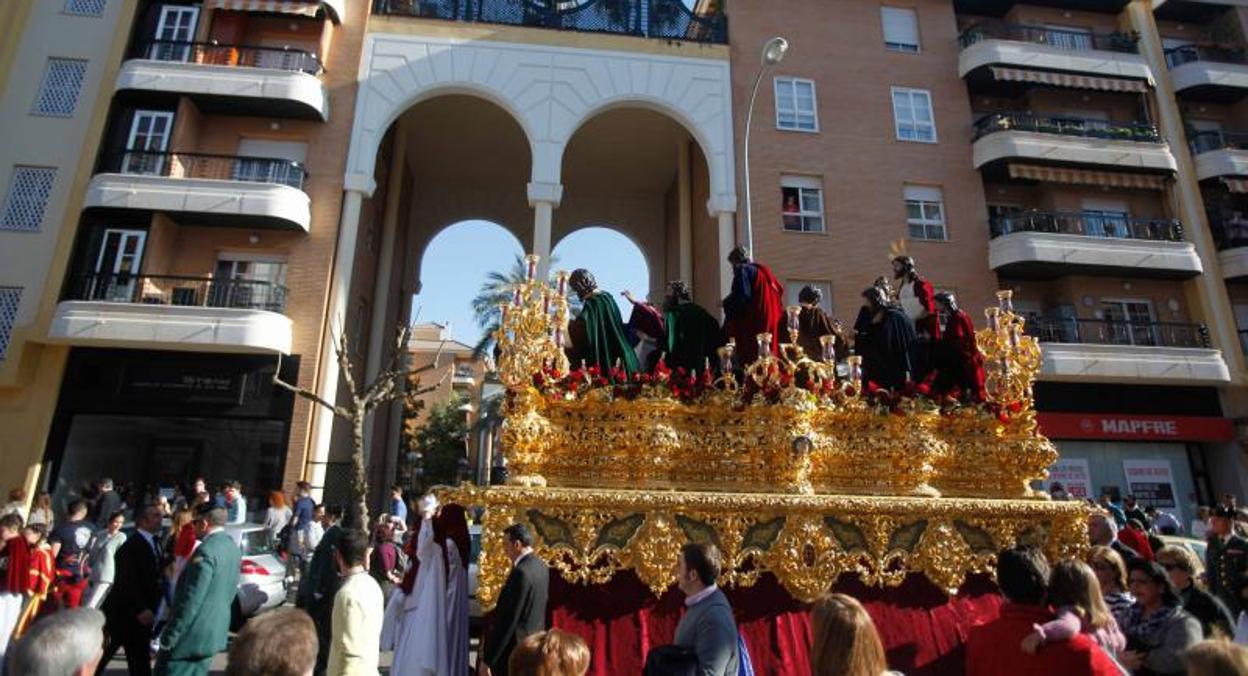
[(200, 619)]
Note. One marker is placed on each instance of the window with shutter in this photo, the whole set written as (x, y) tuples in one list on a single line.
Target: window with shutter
[(901, 29)]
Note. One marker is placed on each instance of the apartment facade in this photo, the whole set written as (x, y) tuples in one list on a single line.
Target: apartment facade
[(1080, 153), (267, 176)]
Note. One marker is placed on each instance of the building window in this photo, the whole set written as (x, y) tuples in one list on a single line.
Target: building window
[(62, 81), (925, 212), (795, 104), (29, 189), (801, 203), (85, 7), (10, 298), (901, 29), (912, 115), (794, 286)]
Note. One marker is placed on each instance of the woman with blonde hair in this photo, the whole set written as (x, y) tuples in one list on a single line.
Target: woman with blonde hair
[(549, 653), (1080, 608), (1111, 572), (843, 639), (1217, 657)]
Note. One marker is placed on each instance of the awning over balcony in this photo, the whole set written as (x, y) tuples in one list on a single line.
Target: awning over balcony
[(1236, 184), (1108, 179), (1055, 79), (300, 7)]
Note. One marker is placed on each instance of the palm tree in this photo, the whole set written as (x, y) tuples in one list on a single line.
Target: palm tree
[(496, 290)]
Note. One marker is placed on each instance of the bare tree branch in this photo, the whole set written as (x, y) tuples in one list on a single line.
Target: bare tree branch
[(306, 393)]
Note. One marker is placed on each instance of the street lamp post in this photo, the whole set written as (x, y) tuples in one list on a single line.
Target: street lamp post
[(773, 53)]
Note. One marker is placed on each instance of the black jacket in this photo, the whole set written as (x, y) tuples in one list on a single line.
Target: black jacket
[(136, 586), (521, 611), (1208, 610)]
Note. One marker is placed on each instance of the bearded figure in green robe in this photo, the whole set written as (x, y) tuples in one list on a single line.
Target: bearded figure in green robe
[(598, 336)]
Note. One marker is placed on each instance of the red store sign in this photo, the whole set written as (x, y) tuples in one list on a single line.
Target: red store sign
[(1131, 427)]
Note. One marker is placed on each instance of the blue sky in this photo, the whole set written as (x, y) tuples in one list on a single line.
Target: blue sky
[(458, 259)]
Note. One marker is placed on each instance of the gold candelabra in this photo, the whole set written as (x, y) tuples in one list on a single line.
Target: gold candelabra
[(1011, 358), (532, 327)]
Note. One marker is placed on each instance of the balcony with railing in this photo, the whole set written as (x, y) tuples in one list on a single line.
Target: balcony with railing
[(464, 375), (1219, 153), (1209, 72), (1062, 139), (173, 312), (1105, 350), (998, 49), (1053, 244), (205, 189), (231, 79), (656, 19), (1230, 234)]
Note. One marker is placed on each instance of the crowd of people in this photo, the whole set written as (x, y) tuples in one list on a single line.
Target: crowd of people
[(907, 334)]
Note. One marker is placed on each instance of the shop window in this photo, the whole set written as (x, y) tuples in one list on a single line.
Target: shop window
[(62, 82), (10, 298), (912, 115), (29, 190), (901, 29), (85, 7), (795, 104), (925, 213), (801, 204)]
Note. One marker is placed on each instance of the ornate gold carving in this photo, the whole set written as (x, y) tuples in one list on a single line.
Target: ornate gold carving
[(807, 541)]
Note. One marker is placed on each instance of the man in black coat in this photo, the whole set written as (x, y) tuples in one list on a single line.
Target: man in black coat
[(318, 587), (130, 608), (521, 608)]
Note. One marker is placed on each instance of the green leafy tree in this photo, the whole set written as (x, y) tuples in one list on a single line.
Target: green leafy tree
[(440, 441), (497, 289)]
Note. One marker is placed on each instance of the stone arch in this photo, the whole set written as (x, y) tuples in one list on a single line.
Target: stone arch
[(551, 91), (652, 272), (419, 248)]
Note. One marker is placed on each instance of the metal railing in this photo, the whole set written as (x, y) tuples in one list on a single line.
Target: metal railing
[(245, 294), (245, 56), (1052, 37), (1177, 56), (661, 19), (1208, 141), (1066, 126), (1089, 225), (1113, 332), (200, 165)]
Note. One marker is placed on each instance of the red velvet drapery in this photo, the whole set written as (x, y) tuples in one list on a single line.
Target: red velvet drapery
[(922, 629)]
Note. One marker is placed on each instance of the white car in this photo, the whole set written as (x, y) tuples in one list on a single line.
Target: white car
[(263, 578)]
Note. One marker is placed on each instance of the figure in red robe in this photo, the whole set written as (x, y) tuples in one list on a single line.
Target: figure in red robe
[(755, 305), (959, 363), (14, 576), (42, 572)]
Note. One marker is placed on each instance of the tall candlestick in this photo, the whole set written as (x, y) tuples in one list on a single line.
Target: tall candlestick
[(794, 313), (725, 356), (994, 315), (559, 336), (828, 343), (515, 297), (546, 302), (764, 344), (855, 369), (1005, 300), (531, 272), (562, 282), (1016, 335), (504, 310)]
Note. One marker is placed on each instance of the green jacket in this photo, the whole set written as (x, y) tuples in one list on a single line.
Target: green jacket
[(200, 621)]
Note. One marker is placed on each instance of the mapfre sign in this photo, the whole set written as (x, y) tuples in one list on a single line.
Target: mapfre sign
[(1129, 427)]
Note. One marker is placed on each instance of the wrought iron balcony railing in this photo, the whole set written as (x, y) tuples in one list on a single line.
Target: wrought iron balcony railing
[(1052, 37), (1066, 126), (1208, 141), (199, 165), (244, 56), (235, 293), (1177, 56), (1089, 225), (661, 19), (1114, 332)]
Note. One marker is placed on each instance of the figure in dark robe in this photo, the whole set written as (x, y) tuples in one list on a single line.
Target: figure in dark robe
[(886, 343), (917, 299), (683, 330), (597, 334), (813, 323), (755, 305), (959, 363)]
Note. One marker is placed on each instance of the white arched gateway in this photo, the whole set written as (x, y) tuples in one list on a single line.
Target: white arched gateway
[(553, 94)]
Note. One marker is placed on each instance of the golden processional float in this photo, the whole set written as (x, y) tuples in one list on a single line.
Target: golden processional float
[(794, 471)]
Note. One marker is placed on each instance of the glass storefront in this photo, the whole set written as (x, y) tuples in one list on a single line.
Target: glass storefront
[(1107, 471)]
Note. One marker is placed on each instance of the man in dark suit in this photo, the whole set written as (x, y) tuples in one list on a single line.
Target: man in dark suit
[(521, 608), (200, 619), (318, 588), (130, 608)]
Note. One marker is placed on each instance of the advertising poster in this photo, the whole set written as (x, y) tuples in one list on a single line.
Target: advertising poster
[(1073, 475), (1152, 483)]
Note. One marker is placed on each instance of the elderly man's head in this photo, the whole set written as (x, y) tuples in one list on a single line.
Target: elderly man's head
[(1101, 529), (65, 643)]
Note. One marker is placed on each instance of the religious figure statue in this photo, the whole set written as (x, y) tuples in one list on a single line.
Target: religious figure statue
[(813, 323), (885, 342), (959, 362), (917, 299), (683, 330), (755, 305), (597, 334)]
